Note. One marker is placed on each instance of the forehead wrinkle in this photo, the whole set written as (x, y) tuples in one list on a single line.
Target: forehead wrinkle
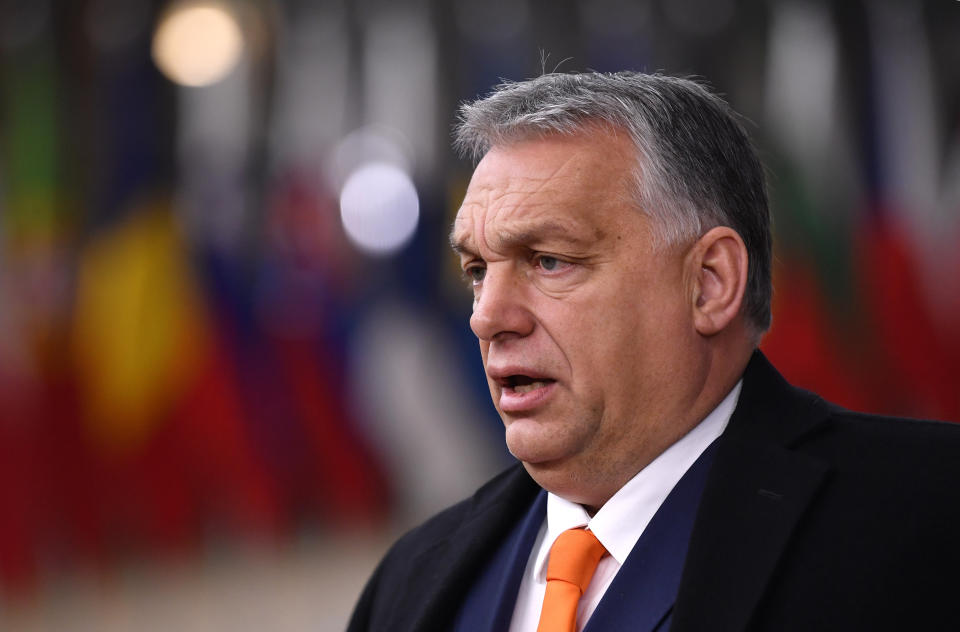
[(540, 182), (519, 184), (508, 227), (509, 199), (461, 233), (531, 232)]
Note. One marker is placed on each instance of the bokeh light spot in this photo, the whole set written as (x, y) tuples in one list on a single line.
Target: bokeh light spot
[(379, 208), (197, 43)]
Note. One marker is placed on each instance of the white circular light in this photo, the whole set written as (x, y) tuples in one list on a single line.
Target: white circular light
[(363, 146), (379, 208), (197, 44)]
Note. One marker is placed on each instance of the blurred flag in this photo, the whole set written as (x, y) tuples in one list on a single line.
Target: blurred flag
[(137, 327)]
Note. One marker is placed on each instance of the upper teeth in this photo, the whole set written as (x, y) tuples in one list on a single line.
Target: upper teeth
[(526, 388)]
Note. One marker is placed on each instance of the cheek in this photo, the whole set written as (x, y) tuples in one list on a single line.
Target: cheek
[(616, 341)]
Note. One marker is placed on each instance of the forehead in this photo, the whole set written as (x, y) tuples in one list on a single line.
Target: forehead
[(559, 186)]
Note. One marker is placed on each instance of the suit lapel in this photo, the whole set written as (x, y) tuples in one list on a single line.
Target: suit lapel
[(758, 490), (441, 576), (489, 604), (644, 589), (744, 522)]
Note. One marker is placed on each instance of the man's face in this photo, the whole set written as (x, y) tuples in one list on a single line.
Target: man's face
[(585, 330)]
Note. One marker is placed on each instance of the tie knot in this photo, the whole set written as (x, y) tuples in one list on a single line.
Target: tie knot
[(574, 557)]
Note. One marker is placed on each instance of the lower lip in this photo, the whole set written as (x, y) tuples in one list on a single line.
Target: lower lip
[(513, 402)]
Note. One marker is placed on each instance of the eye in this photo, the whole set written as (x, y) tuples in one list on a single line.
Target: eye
[(474, 274), (548, 263)]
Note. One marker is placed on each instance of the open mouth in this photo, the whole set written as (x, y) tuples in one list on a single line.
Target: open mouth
[(525, 384)]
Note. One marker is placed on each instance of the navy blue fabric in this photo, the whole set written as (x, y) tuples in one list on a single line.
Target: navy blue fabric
[(490, 602), (641, 596)]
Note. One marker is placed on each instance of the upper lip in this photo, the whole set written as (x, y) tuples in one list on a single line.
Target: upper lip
[(502, 374)]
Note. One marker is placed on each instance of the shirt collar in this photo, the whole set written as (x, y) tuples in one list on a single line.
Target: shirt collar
[(621, 521)]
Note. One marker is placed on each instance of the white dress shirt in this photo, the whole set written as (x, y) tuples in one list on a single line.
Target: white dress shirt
[(618, 524)]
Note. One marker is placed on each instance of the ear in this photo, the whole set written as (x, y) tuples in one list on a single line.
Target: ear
[(718, 262)]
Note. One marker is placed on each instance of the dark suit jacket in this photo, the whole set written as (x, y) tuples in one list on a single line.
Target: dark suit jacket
[(813, 518)]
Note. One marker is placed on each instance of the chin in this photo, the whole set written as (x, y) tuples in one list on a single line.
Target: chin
[(545, 444), (530, 455), (562, 479), (531, 448)]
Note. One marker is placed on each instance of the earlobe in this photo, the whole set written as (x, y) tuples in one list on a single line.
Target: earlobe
[(721, 281)]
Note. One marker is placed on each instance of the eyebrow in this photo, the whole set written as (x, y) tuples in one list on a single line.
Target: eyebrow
[(535, 232), (459, 245)]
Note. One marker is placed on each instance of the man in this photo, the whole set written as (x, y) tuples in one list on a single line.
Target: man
[(616, 237)]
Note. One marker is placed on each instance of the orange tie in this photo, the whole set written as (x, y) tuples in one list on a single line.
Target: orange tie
[(573, 559)]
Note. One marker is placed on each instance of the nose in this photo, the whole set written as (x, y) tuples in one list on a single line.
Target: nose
[(499, 308)]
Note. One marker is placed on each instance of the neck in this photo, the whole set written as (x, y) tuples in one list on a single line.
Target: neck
[(723, 368)]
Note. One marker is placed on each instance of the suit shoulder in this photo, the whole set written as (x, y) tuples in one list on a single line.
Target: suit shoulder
[(425, 550), (908, 432), (500, 489), (915, 457), (511, 488)]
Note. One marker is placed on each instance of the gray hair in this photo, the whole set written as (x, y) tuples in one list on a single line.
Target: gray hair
[(696, 168)]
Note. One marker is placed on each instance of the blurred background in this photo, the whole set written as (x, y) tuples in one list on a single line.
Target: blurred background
[(234, 352)]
